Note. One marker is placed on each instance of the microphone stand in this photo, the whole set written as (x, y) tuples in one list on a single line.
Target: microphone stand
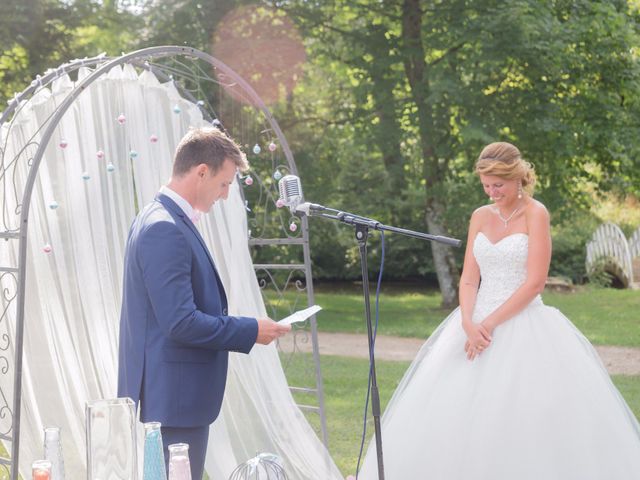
[(362, 226)]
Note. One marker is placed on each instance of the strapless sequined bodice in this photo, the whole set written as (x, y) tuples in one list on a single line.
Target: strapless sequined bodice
[(503, 268)]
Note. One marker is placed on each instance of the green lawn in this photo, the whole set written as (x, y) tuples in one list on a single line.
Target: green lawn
[(345, 388), (345, 383), (605, 316), (404, 314)]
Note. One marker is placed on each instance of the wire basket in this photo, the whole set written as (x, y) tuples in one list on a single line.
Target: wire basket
[(265, 466)]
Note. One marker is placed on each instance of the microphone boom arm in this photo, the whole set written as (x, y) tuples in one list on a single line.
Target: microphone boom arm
[(352, 219)]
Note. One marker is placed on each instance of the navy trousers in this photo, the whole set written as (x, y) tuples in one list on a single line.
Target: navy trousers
[(196, 437)]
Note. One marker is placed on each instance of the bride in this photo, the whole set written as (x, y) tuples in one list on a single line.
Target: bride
[(507, 388)]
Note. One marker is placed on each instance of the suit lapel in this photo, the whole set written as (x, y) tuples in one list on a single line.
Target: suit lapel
[(177, 211)]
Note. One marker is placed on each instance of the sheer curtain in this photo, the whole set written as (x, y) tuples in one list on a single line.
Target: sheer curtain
[(74, 291)]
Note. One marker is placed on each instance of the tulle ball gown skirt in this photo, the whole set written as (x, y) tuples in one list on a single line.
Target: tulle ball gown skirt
[(537, 405)]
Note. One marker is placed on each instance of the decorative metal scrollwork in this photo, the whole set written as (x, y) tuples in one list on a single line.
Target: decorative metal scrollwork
[(9, 286)]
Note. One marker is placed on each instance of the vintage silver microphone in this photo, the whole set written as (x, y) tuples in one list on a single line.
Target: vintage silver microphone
[(291, 196), (290, 191)]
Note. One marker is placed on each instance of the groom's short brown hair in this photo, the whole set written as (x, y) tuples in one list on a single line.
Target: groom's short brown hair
[(209, 146)]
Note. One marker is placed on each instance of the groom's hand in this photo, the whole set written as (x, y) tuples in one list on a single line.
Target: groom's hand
[(268, 330)]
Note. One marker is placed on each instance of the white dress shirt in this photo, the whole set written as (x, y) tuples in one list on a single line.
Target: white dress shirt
[(189, 211)]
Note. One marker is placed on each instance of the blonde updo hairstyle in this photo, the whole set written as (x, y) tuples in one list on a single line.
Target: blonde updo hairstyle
[(501, 159)]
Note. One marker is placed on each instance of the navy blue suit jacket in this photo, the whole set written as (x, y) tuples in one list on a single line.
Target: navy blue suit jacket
[(175, 331)]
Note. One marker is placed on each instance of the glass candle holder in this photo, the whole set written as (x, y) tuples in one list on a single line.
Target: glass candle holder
[(41, 470), (154, 466), (179, 466)]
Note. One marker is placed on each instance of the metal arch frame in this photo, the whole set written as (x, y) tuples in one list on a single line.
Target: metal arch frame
[(47, 78), (21, 233)]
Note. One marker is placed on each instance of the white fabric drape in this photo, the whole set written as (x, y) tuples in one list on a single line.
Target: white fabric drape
[(74, 292)]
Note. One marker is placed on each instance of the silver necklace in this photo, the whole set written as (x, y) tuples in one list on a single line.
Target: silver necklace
[(506, 220)]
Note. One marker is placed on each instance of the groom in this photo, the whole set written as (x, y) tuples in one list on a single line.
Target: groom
[(175, 329)]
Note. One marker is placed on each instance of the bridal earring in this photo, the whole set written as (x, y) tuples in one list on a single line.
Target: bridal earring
[(520, 190)]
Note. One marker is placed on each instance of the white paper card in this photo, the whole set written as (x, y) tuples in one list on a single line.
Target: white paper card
[(300, 315)]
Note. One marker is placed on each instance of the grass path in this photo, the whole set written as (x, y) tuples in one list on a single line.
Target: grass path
[(617, 360)]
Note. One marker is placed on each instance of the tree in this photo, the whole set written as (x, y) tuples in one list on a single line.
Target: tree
[(36, 35), (557, 78)]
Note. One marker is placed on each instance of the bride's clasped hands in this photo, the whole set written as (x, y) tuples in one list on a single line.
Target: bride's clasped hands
[(478, 338)]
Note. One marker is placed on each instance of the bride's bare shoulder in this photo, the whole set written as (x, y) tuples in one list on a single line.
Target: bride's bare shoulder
[(482, 211), (536, 207), (479, 216), (536, 211)]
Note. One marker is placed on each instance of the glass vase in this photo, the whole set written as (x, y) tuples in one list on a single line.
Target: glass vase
[(53, 452), (154, 466), (179, 466), (111, 440)]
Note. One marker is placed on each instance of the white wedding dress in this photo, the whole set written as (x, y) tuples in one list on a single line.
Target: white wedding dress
[(537, 405)]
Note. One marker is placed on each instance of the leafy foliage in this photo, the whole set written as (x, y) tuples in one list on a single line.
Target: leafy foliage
[(36, 35), (398, 97), (555, 78)]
